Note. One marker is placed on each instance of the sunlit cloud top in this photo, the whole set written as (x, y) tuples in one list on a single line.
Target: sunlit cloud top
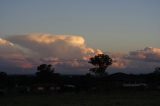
[(49, 38), (30, 50), (148, 54), (68, 54), (5, 42)]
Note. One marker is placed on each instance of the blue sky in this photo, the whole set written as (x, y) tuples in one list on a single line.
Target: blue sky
[(110, 25), (128, 27)]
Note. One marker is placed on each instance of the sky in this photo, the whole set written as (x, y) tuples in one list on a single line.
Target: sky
[(128, 30)]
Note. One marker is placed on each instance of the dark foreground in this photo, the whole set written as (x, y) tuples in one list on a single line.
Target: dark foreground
[(109, 98)]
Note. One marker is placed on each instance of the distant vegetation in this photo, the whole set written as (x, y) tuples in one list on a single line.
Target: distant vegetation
[(47, 81)]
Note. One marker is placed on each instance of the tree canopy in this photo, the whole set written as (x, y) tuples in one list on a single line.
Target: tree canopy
[(45, 73), (157, 70), (101, 62)]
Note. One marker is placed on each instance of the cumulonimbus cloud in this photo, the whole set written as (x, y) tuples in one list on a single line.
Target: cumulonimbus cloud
[(30, 50), (57, 46), (68, 53)]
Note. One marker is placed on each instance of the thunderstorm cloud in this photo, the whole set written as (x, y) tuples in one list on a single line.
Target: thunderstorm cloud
[(68, 54), (30, 50)]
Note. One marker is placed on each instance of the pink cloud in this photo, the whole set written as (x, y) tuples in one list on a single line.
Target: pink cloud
[(148, 54), (69, 53), (28, 51)]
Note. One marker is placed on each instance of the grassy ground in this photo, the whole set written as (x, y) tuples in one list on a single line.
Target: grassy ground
[(112, 98)]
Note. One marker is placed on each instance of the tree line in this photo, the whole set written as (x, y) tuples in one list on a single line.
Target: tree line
[(46, 80)]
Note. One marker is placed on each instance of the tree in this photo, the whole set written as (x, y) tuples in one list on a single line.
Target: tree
[(45, 73), (3, 79), (3, 75), (101, 62), (157, 70)]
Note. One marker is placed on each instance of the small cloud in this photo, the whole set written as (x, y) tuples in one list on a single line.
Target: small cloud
[(119, 62), (148, 54)]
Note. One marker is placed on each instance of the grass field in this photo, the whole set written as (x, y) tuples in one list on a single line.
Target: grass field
[(112, 98)]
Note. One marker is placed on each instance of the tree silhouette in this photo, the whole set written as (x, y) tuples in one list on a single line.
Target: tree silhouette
[(45, 73), (3, 75), (157, 70), (101, 62), (3, 79)]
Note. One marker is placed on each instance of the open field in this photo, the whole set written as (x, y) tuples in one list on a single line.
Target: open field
[(113, 98)]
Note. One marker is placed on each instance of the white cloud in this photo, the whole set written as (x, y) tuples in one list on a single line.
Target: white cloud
[(59, 46), (37, 48), (139, 61), (119, 62), (68, 54), (5, 42), (148, 54), (13, 57)]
